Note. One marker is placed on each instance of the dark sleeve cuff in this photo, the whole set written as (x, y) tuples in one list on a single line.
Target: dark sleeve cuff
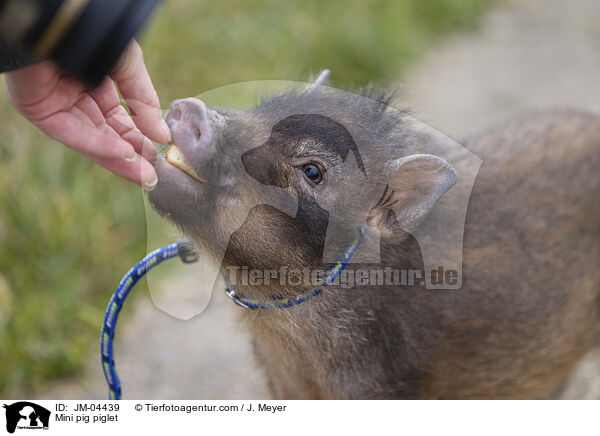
[(12, 57)]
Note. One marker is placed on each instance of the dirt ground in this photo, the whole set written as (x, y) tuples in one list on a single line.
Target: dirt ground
[(526, 54)]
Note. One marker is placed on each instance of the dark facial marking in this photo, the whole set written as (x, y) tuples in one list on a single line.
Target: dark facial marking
[(262, 162)]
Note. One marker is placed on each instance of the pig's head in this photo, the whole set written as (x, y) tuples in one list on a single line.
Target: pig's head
[(265, 183)]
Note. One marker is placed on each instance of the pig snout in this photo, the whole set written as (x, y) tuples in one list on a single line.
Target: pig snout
[(190, 124)]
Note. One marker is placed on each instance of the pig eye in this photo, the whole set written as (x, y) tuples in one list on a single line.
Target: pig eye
[(313, 172)]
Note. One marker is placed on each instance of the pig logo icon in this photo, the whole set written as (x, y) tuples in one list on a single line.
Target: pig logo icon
[(321, 163)]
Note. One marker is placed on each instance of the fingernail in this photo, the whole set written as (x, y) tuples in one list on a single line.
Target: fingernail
[(151, 185), (131, 158), (164, 127)]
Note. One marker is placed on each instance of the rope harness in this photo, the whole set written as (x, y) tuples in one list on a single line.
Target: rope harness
[(185, 250)]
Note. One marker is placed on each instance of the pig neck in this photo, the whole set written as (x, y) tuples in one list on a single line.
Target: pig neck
[(399, 252), (288, 296), (325, 241)]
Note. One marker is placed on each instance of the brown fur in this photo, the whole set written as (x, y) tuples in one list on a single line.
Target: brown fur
[(528, 308)]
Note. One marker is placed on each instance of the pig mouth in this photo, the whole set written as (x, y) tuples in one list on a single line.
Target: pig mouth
[(177, 159)]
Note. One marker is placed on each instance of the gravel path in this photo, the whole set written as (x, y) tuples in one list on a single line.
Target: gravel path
[(526, 54)]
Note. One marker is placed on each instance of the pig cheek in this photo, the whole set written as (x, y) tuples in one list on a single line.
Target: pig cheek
[(264, 166)]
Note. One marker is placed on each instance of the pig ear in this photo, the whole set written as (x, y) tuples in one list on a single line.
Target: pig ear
[(416, 183), (321, 80)]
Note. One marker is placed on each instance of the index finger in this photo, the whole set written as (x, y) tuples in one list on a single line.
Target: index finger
[(136, 87)]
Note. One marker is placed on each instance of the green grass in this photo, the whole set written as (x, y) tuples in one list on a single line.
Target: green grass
[(69, 229), (193, 46)]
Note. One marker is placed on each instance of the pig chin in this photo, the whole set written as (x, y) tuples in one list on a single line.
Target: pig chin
[(191, 206), (177, 196)]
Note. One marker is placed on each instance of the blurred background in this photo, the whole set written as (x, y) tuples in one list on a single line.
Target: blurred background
[(69, 230)]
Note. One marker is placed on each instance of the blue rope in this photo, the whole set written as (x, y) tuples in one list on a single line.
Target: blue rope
[(114, 307), (187, 253)]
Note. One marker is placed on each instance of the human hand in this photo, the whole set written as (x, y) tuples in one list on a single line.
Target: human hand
[(93, 122)]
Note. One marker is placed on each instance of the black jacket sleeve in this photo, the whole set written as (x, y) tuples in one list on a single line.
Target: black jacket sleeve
[(12, 57)]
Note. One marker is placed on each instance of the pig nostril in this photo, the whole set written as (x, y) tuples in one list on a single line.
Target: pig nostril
[(197, 134), (175, 114)]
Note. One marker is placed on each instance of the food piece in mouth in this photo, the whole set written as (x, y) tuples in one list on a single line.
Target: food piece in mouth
[(176, 158)]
